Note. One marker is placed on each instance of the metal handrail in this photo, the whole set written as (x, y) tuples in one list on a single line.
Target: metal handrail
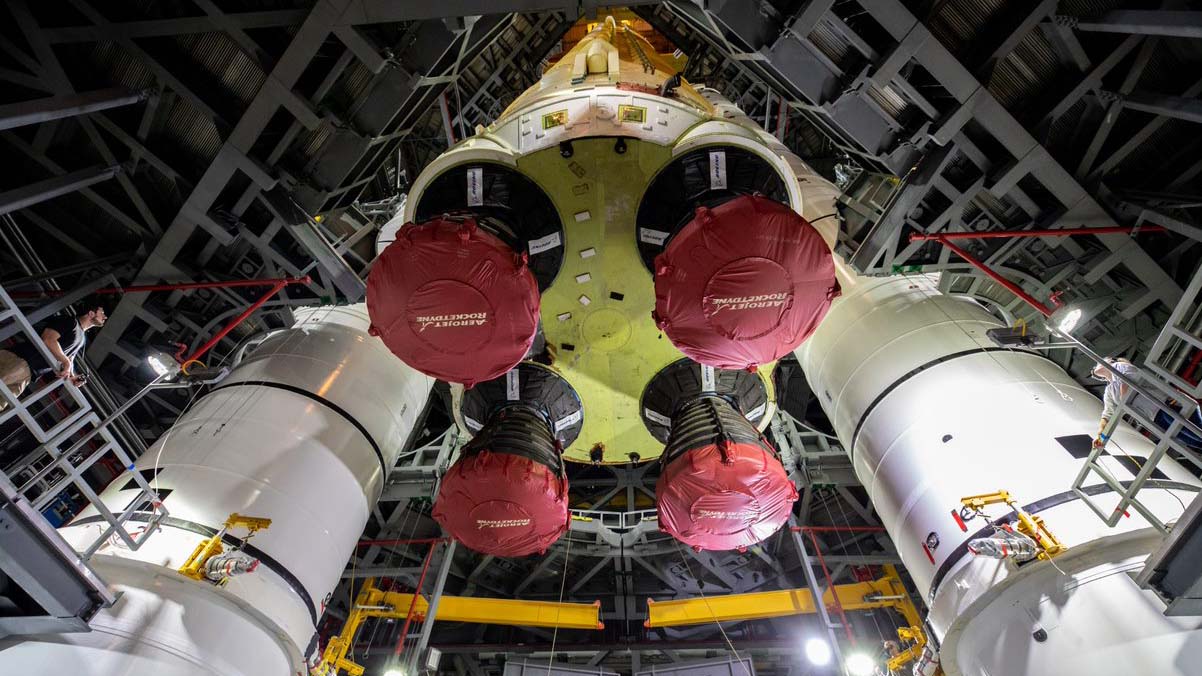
[(51, 439), (1177, 332), (616, 520), (1166, 440)]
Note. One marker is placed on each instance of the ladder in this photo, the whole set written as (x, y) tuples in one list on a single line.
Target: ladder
[(55, 415), (1161, 379)]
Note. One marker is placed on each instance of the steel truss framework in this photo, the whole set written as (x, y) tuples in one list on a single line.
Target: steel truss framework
[(231, 140), (1002, 118)]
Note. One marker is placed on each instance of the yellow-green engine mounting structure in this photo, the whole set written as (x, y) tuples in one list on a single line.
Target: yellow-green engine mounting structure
[(596, 316), (593, 134)]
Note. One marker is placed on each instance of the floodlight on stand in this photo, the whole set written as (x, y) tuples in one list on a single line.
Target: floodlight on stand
[(1069, 321), (1075, 315), (163, 364), (859, 664), (818, 652)]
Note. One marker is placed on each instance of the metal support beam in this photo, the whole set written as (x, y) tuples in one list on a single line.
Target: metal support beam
[(99, 200), (440, 583), (302, 226), (519, 613), (175, 27), (1178, 107), (475, 610), (1142, 22), (537, 571), (1137, 140), (815, 593), (36, 193), (65, 592), (361, 47), (306, 42), (880, 593), (1043, 232), (24, 113)]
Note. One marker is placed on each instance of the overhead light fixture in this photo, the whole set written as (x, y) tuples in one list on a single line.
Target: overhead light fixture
[(818, 652), (859, 664), (394, 671), (163, 364)]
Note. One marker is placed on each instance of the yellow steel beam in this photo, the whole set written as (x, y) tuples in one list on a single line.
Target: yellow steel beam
[(881, 593), (372, 601), (520, 613), (512, 612), (904, 605)]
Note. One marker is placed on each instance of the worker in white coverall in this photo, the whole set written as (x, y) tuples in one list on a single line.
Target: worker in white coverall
[(1116, 391)]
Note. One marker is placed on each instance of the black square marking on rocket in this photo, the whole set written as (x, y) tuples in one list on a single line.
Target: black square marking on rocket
[(1134, 463), (617, 296), (1077, 445), (148, 475)]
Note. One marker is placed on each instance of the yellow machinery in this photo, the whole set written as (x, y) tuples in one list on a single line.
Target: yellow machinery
[(194, 567), (884, 592), (375, 602), (913, 640), (1028, 524)]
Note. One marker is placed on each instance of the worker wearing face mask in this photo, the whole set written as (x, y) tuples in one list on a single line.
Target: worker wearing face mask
[(1116, 392)]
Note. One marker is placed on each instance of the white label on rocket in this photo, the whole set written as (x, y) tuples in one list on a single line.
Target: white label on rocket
[(544, 243), (708, 381), (717, 169), (512, 385), (568, 420), (475, 186), (472, 423), (756, 413), (649, 236), (657, 417)]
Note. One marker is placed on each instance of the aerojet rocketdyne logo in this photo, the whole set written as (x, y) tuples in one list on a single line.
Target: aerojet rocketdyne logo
[(715, 514), (501, 523), (450, 321), (765, 300)]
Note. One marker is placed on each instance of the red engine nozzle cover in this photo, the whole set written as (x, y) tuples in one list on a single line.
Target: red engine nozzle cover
[(453, 301), (503, 504), (722, 499), (743, 284)]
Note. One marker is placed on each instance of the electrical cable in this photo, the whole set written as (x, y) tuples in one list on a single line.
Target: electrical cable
[(412, 532), (713, 615), (239, 407), (990, 353), (1139, 462), (1062, 394), (859, 551), (810, 428), (389, 558), (562, 584)]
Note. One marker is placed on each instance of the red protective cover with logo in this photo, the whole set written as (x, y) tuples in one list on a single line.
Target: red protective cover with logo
[(743, 284), (503, 504), (453, 301), (712, 500)]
